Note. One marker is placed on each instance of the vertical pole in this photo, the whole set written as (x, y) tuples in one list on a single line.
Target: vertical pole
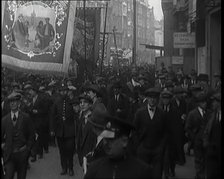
[(134, 34), (104, 33), (115, 44), (84, 6)]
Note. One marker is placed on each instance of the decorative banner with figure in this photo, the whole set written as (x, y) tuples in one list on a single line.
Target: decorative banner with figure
[(36, 35)]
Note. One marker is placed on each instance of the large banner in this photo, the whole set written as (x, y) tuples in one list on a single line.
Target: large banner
[(36, 35), (92, 17)]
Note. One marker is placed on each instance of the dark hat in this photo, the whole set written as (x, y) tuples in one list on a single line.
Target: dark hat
[(85, 97), (195, 87), (74, 101), (93, 88), (216, 96), (169, 83), (116, 127), (117, 85), (202, 97), (162, 76), (98, 118), (47, 18), (217, 75), (166, 94), (29, 86), (143, 77), (178, 90), (14, 96), (202, 77), (152, 92), (15, 84)]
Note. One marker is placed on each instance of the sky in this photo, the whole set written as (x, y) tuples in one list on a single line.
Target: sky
[(157, 8)]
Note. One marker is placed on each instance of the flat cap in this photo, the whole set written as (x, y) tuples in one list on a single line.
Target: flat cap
[(93, 88), (14, 96), (152, 92), (195, 87), (85, 97), (72, 88), (216, 96), (166, 94), (15, 84), (202, 97), (178, 90), (62, 87)]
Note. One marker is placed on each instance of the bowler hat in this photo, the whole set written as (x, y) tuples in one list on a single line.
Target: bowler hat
[(98, 118), (202, 77), (117, 85), (152, 92), (85, 97), (169, 83), (29, 86), (14, 96)]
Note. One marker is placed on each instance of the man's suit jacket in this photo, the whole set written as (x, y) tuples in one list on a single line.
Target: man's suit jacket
[(25, 125), (62, 128), (195, 125), (50, 30), (42, 106), (122, 103), (86, 139), (151, 133)]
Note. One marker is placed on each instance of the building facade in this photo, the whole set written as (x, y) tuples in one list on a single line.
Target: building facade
[(201, 18)]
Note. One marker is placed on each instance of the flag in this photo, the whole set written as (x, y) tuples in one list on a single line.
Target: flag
[(37, 35)]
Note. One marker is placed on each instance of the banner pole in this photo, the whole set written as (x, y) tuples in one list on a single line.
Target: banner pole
[(84, 6)]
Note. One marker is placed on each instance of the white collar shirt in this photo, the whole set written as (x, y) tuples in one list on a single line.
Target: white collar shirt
[(151, 112), (201, 111)]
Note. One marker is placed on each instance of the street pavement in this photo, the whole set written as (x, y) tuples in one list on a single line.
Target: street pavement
[(49, 168)]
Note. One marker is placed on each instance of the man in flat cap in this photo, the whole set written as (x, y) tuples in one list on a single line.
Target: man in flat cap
[(150, 124), (212, 139), (117, 163), (39, 111), (195, 124), (86, 139), (62, 126), (118, 103), (174, 153), (17, 139)]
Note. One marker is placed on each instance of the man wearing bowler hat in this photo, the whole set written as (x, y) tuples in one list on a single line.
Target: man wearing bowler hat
[(195, 124), (62, 126), (117, 163), (150, 124), (17, 133)]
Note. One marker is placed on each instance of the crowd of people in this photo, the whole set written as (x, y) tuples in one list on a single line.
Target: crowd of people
[(129, 125)]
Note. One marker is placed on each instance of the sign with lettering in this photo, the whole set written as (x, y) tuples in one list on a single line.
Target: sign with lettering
[(177, 60), (183, 40)]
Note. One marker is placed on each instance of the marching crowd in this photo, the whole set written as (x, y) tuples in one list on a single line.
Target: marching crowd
[(131, 125)]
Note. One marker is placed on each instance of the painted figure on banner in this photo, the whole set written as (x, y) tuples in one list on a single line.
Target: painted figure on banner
[(34, 28)]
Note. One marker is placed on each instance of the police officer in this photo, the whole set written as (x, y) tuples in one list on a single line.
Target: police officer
[(62, 125), (117, 164)]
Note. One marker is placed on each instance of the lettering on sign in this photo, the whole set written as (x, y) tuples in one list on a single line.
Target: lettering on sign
[(184, 40)]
